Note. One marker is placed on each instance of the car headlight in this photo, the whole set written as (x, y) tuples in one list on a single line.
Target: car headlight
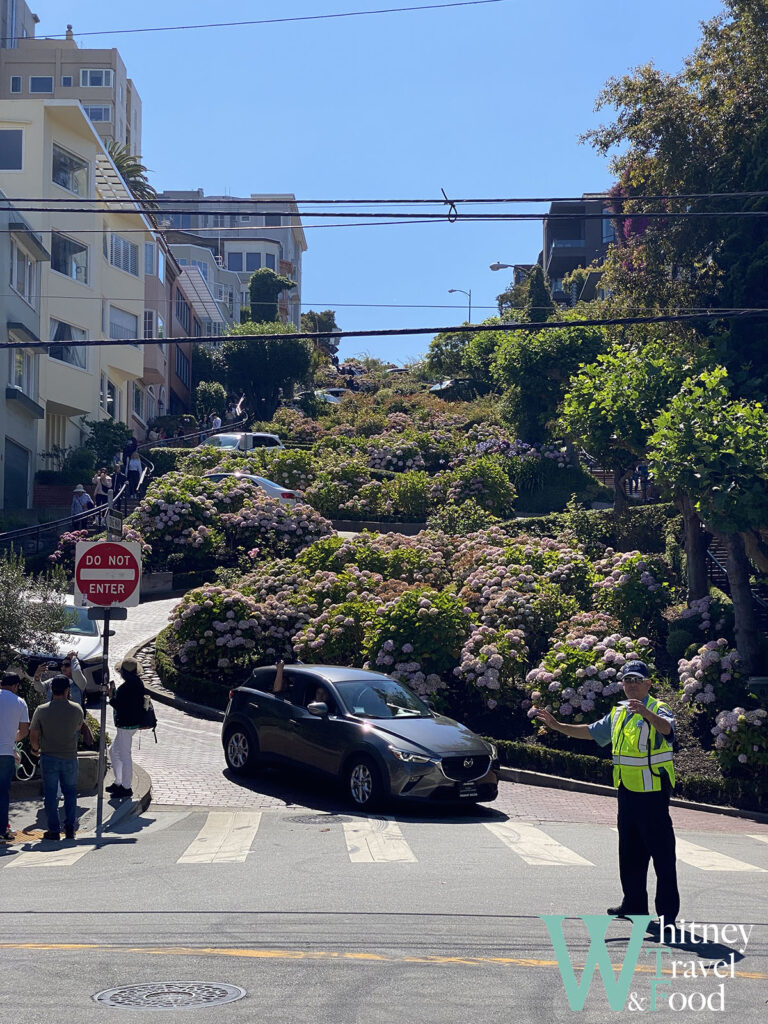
[(411, 758), (494, 752)]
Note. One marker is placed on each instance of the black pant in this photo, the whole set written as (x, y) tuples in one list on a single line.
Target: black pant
[(645, 833)]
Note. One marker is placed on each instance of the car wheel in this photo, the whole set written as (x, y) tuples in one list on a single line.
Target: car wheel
[(363, 783), (241, 750)]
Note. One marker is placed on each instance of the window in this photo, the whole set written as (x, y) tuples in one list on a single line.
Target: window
[(23, 274), (41, 83), (20, 371), (183, 368), (138, 401), (149, 404), (109, 397), (161, 331), (202, 267), (149, 258), (183, 312), (160, 264), (70, 171), (149, 324), (10, 149), (62, 335), (180, 220), (66, 81), (272, 220), (245, 218), (270, 260), (69, 257), (235, 261), (197, 330), (96, 77), (253, 261), (122, 326), (15, 83), (98, 113), (609, 232), (124, 255), (218, 220)]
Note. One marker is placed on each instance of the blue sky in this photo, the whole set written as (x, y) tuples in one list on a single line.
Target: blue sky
[(481, 101)]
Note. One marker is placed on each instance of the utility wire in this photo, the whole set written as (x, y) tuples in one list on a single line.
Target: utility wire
[(399, 332), (272, 21)]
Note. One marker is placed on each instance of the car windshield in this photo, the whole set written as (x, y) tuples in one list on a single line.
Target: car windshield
[(78, 623), (381, 698)]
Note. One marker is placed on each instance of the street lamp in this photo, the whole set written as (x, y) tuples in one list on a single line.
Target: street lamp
[(502, 266), (469, 301)]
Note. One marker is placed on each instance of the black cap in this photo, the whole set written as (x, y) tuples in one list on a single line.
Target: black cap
[(635, 668), (59, 685)]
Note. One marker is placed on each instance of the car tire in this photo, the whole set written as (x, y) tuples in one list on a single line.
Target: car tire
[(241, 749), (362, 782)]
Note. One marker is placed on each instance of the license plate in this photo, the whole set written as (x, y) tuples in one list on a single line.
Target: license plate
[(467, 790)]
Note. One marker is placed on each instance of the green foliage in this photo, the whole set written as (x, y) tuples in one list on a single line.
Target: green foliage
[(485, 480), (134, 174), (336, 636), (260, 367), (634, 588), (538, 304), (208, 365), (31, 610), (73, 466), (210, 396), (461, 519), (265, 286), (105, 438)]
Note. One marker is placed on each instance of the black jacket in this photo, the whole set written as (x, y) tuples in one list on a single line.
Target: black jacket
[(128, 703)]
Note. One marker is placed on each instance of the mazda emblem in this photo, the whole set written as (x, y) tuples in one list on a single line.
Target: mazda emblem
[(468, 762)]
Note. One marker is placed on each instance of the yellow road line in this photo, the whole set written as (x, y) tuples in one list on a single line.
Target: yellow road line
[(298, 954)]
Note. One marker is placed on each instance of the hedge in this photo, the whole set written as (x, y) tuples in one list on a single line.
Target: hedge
[(642, 528), (746, 794), (167, 460)]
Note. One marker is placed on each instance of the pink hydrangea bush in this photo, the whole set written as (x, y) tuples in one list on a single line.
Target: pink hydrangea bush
[(336, 635), (64, 555), (177, 517), (494, 662), (577, 678), (741, 741), (269, 529), (634, 588), (712, 676)]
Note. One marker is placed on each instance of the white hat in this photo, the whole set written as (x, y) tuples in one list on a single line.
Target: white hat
[(79, 489)]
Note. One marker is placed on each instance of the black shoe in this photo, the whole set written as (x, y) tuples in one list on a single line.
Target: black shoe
[(113, 787), (69, 832), (54, 836), (121, 792)]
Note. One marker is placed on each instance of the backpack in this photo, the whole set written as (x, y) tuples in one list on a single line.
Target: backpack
[(148, 717)]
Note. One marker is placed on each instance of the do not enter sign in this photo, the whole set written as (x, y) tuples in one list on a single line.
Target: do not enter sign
[(107, 574)]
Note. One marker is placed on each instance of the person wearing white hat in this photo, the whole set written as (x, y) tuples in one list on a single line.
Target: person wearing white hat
[(81, 503)]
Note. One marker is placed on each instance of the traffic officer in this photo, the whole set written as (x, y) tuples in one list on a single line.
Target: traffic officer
[(641, 732)]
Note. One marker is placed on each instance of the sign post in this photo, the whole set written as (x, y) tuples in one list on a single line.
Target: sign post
[(107, 578)]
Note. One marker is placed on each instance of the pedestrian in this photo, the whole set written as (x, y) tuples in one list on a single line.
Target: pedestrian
[(216, 422), (118, 471), (82, 502), (70, 667), (14, 725), (101, 485), (128, 449), (152, 435), (133, 472), (53, 733), (642, 473), (128, 706), (641, 733)]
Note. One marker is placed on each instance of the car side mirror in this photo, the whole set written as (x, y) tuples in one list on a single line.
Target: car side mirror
[(318, 708)]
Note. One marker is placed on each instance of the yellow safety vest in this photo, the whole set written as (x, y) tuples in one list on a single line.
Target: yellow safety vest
[(640, 753)]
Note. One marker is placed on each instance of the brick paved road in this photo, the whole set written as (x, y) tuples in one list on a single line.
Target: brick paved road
[(187, 765)]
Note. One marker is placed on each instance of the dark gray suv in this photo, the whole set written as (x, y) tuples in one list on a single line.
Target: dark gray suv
[(362, 728)]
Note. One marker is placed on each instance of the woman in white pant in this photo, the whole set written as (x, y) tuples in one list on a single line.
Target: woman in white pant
[(128, 705)]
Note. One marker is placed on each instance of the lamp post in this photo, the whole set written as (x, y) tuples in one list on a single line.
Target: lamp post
[(469, 301)]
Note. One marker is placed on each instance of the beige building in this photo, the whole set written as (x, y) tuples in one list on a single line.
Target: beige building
[(58, 69), (94, 285)]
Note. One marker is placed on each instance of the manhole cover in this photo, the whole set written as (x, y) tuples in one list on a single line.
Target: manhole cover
[(319, 819), (169, 996)]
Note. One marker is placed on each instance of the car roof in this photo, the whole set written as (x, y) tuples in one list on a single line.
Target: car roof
[(331, 673), (243, 476)]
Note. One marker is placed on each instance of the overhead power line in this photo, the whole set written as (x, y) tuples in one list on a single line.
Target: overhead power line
[(272, 21), (402, 331)]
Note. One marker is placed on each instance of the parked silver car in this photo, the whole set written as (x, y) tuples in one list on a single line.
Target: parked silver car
[(282, 494)]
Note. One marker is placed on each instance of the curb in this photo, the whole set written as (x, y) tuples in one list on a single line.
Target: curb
[(520, 775), (529, 778), (142, 785)]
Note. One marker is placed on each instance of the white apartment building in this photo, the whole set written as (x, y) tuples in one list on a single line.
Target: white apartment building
[(94, 285)]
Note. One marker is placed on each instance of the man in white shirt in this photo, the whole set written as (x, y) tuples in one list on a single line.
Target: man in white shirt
[(216, 422), (14, 725)]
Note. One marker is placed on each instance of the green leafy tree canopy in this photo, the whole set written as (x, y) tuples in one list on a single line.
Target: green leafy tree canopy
[(260, 368), (265, 287)]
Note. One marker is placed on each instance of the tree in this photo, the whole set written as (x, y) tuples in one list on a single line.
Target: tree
[(711, 447), (134, 174), (611, 403), (512, 301), (703, 130), (210, 396), (445, 357), (207, 365), (260, 368), (313, 322), (539, 306), (105, 438), (31, 612), (535, 367), (265, 287)]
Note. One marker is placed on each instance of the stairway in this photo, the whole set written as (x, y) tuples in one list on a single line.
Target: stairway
[(717, 562)]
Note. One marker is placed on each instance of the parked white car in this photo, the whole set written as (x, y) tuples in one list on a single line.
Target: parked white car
[(83, 636), (243, 442), (282, 494)]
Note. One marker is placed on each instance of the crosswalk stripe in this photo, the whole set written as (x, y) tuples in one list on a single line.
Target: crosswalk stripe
[(763, 838), (533, 845), (376, 840), (225, 837), (710, 860), (61, 857)]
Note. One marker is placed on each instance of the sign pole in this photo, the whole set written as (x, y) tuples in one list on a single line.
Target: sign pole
[(103, 730)]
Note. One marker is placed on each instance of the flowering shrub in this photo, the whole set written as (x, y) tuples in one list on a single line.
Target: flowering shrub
[(64, 555), (417, 638), (741, 740), (333, 487), (459, 520), (291, 467), (577, 678), (494, 661), (484, 480), (392, 451), (335, 637), (712, 674), (633, 587), (271, 529), (178, 516)]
